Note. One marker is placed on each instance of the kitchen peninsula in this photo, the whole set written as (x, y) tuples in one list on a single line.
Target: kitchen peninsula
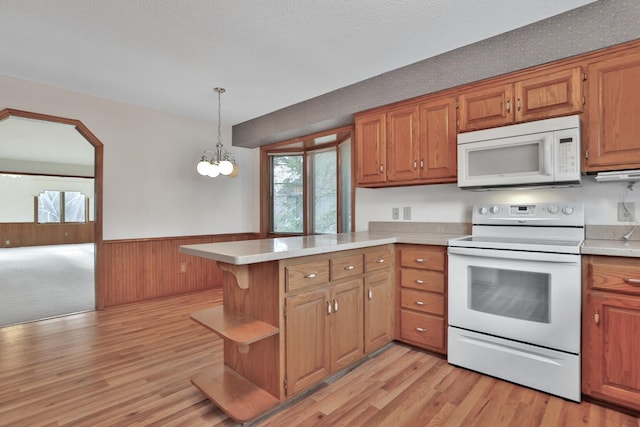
[(297, 310)]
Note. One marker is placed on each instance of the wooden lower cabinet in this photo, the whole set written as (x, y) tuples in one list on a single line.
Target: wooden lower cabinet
[(331, 325), (611, 330), (378, 310), (421, 290)]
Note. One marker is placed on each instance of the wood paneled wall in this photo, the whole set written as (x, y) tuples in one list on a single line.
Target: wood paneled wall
[(32, 234), (143, 269)]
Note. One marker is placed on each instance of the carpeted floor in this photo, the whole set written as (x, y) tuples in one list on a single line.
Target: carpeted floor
[(38, 282)]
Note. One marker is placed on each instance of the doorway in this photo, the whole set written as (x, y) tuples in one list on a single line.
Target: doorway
[(58, 163)]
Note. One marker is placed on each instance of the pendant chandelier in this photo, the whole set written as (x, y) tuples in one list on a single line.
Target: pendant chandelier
[(219, 161)]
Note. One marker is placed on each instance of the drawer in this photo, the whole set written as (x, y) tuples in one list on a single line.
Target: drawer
[(378, 260), (612, 276), (346, 267), (305, 275), (424, 280), (429, 258), (422, 301), (422, 329)]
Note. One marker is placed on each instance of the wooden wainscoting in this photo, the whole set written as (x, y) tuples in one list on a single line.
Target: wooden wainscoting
[(33, 234), (143, 269)]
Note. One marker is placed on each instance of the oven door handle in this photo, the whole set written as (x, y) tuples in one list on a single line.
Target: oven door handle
[(517, 255)]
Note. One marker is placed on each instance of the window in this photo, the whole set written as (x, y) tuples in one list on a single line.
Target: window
[(309, 185), (55, 207)]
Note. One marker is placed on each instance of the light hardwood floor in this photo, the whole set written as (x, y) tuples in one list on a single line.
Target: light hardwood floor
[(130, 365)]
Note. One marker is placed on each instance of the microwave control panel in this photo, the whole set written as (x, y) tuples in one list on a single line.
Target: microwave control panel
[(567, 154)]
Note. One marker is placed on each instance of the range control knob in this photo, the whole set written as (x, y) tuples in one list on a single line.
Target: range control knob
[(482, 211), (553, 209), (495, 209), (567, 210)]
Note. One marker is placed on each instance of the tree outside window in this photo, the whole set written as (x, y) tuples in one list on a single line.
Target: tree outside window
[(55, 207)]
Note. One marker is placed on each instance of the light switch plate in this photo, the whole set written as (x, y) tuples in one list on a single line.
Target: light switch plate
[(406, 213), (395, 213)]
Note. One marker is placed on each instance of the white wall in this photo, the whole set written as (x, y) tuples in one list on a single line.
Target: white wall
[(150, 186), (447, 203)]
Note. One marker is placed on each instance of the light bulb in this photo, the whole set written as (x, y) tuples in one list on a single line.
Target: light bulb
[(214, 170), (226, 167), (235, 172), (203, 167)]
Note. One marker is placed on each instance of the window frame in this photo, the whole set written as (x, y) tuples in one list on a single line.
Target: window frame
[(303, 146), (62, 195)]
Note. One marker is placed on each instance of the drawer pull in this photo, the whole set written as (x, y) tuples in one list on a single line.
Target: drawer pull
[(420, 281), (632, 282), (335, 306), (596, 317), (380, 260), (349, 267), (421, 329), (328, 307), (420, 302), (421, 260), (370, 294), (310, 276)]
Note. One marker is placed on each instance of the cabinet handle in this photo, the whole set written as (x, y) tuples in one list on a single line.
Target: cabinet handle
[(380, 260), (349, 267), (420, 303), (421, 329), (518, 104), (415, 164), (381, 168), (370, 294), (420, 282), (632, 282), (328, 307), (310, 276), (421, 260), (335, 306), (422, 164), (508, 106), (596, 317)]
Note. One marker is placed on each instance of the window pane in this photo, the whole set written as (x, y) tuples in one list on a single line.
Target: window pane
[(74, 206), (286, 189), (345, 186), (49, 207), (324, 191)]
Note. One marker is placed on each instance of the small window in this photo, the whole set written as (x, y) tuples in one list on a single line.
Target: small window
[(287, 193), (56, 207)]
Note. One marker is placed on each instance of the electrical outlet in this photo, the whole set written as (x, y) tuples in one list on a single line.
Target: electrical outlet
[(7, 242), (626, 211), (395, 213), (406, 213), (183, 267)]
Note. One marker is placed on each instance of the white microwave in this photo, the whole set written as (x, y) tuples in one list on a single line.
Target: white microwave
[(543, 152)]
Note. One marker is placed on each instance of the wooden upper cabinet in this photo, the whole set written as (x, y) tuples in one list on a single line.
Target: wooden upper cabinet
[(486, 107), (403, 144), (438, 156), (543, 95), (549, 95), (370, 148), (612, 137)]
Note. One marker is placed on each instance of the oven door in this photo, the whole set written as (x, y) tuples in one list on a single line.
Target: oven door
[(531, 297)]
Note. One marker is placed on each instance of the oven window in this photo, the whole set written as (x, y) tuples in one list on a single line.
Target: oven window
[(510, 293)]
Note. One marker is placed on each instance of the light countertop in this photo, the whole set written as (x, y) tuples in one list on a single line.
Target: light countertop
[(629, 248), (254, 251)]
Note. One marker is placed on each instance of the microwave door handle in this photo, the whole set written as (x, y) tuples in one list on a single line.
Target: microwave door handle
[(547, 166)]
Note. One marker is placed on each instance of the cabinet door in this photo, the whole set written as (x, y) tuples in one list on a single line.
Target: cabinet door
[(370, 148), (378, 311), (307, 335), (438, 139), (486, 107), (614, 113), (612, 348), (549, 95), (346, 324), (402, 144)]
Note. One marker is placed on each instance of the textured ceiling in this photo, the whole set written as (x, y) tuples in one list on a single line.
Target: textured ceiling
[(268, 54)]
